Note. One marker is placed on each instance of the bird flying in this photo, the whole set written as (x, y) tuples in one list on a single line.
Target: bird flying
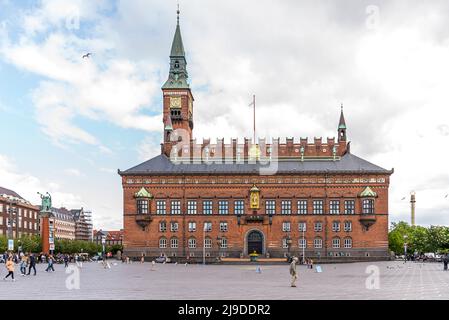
[(403, 198), (446, 196), (87, 55)]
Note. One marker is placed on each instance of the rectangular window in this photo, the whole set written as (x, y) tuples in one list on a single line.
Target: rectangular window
[(239, 207), (334, 207), (174, 227), (270, 207), (176, 207), (284, 243), (223, 207), (224, 243), (161, 207), (336, 243), (348, 243), (208, 243), (286, 207), (348, 226), (142, 206), (207, 207), (368, 206), (192, 243), (223, 227), (302, 243), (208, 226), (192, 226), (318, 226), (162, 227), (191, 207), (318, 243), (318, 207), (302, 207), (336, 226), (286, 227), (302, 226), (174, 243), (163, 243), (349, 206)]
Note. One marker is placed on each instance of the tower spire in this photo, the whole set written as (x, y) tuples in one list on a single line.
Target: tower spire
[(342, 126)]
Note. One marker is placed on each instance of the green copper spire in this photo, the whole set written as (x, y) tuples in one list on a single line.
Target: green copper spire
[(342, 123), (178, 75)]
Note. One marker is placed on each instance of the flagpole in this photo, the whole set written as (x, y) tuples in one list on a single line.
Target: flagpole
[(254, 104)]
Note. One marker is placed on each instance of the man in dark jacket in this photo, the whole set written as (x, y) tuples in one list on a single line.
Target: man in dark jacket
[(32, 261), (445, 261)]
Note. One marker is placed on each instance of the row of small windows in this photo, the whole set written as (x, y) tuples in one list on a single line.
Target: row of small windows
[(318, 243), (26, 213), (302, 243), (270, 207), (192, 243), (174, 226), (318, 226)]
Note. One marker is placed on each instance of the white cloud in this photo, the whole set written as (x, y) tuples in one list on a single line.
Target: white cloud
[(73, 172)]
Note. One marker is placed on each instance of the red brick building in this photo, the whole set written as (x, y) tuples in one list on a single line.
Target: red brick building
[(296, 197)]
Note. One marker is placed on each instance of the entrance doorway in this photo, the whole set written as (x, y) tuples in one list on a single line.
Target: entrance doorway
[(255, 242)]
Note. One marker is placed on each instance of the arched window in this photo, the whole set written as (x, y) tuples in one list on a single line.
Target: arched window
[(174, 243), (163, 243), (318, 243), (208, 243), (224, 243), (162, 226), (348, 226), (348, 242), (336, 226), (302, 243), (336, 243), (192, 243)]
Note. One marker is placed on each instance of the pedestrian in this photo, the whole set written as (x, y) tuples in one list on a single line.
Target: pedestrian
[(23, 265), (311, 263), (66, 260), (142, 258), (445, 261), (293, 272), (10, 268), (32, 264), (50, 264)]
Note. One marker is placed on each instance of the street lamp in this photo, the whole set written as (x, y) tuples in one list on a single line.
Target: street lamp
[(204, 243), (219, 247), (405, 248), (303, 243), (12, 220), (289, 244)]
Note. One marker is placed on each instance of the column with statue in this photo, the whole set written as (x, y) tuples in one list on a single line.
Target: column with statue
[(47, 228)]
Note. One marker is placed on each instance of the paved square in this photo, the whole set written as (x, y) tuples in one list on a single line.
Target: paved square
[(136, 281)]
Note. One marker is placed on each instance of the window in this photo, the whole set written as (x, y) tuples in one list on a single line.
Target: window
[(192, 243), (318, 243), (192, 226), (163, 226), (348, 226), (191, 207), (207, 207), (348, 243), (302, 243), (349, 206), (302, 207), (223, 227), (318, 226), (142, 206), (334, 207), (174, 226), (336, 226), (286, 207), (368, 206), (223, 243), (1, 207), (336, 243), (176, 207), (223, 207), (239, 207), (208, 243), (162, 243), (270, 206), (208, 226), (286, 226), (302, 227), (318, 207), (174, 243), (161, 207), (284, 243)]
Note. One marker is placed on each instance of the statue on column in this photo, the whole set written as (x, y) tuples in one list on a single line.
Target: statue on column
[(46, 202)]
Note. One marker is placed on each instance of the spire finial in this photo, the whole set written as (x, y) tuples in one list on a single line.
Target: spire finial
[(178, 12), (342, 106)]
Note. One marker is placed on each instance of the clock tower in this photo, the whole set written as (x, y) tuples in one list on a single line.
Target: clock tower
[(178, 98)]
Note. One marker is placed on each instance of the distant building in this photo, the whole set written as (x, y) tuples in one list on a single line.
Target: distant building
[(83, 224), (64, 224), (25, 216), (112, 237)]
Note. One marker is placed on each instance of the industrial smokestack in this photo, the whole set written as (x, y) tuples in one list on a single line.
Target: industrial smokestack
[(412, 203)]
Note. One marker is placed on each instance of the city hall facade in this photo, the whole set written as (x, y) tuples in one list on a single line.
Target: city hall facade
[(212, 199)]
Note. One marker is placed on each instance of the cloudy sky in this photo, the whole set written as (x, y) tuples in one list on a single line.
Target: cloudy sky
[(67, 124)]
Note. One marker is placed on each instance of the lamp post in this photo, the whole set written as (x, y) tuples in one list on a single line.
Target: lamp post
[(289, 244), (219, 247), (204, 243), (405, 248), (303, 244), (11, 211)]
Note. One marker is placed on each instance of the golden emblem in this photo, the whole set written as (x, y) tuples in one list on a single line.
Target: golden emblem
[(255, 197)]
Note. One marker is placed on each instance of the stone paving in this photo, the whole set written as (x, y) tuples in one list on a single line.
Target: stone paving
[(136, 281)]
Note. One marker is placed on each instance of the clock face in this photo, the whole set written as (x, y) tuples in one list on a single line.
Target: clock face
[(175, 102)]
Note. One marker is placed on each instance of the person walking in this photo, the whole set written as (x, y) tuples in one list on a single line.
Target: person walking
[(311, 263), (32, 264), (50, 264), (445, 261), (10, 268), (23, 265), (293, 272), (66, 260)]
